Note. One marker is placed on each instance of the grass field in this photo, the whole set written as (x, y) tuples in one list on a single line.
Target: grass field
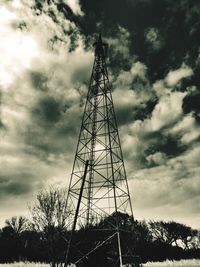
[(24, 264), (181, 263)]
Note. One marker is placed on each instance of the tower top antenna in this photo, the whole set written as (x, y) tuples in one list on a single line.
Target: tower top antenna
[(100, 47)]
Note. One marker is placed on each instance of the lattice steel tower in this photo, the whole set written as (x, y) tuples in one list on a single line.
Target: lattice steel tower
[(98, 187)]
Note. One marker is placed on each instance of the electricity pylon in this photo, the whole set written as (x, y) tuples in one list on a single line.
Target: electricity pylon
[(98, 187)]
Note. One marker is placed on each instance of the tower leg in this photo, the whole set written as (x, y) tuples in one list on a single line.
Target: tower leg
[(76, 214)]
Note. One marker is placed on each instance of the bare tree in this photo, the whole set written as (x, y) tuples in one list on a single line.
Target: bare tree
[(49, 209), (50, 216), (18, 224)]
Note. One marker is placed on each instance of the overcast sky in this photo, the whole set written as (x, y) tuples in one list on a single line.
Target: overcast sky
[(154, 63)]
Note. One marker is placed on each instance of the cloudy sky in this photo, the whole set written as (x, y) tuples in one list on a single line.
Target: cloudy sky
[(154, 63)]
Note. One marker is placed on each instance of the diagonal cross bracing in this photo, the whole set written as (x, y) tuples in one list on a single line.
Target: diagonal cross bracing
[(105, 192)]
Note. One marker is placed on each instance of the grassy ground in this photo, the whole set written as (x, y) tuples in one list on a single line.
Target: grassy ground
[(24, 264), (181, 263)]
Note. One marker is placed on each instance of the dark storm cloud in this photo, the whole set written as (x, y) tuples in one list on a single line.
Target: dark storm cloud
[(48, 110), (81, 74), (54, 116), (160, 146), (2, 126), (53, 124), (141, 112), (39, 80), (53, 129), (163, 33), (191, 103), (170, 145), (14, 188), (18, 183)]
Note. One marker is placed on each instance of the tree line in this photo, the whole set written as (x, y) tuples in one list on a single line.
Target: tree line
[(44, 237)]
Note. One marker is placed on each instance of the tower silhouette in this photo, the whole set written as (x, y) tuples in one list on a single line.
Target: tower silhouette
[(98, 191)]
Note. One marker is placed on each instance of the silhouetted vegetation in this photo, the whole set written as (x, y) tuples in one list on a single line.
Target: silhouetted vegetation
[(45, 237), (153, 241)]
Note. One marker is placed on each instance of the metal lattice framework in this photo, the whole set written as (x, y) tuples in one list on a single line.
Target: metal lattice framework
[(98, 186)]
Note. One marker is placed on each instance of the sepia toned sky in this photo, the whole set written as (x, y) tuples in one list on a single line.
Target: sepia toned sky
[(154, 65)]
